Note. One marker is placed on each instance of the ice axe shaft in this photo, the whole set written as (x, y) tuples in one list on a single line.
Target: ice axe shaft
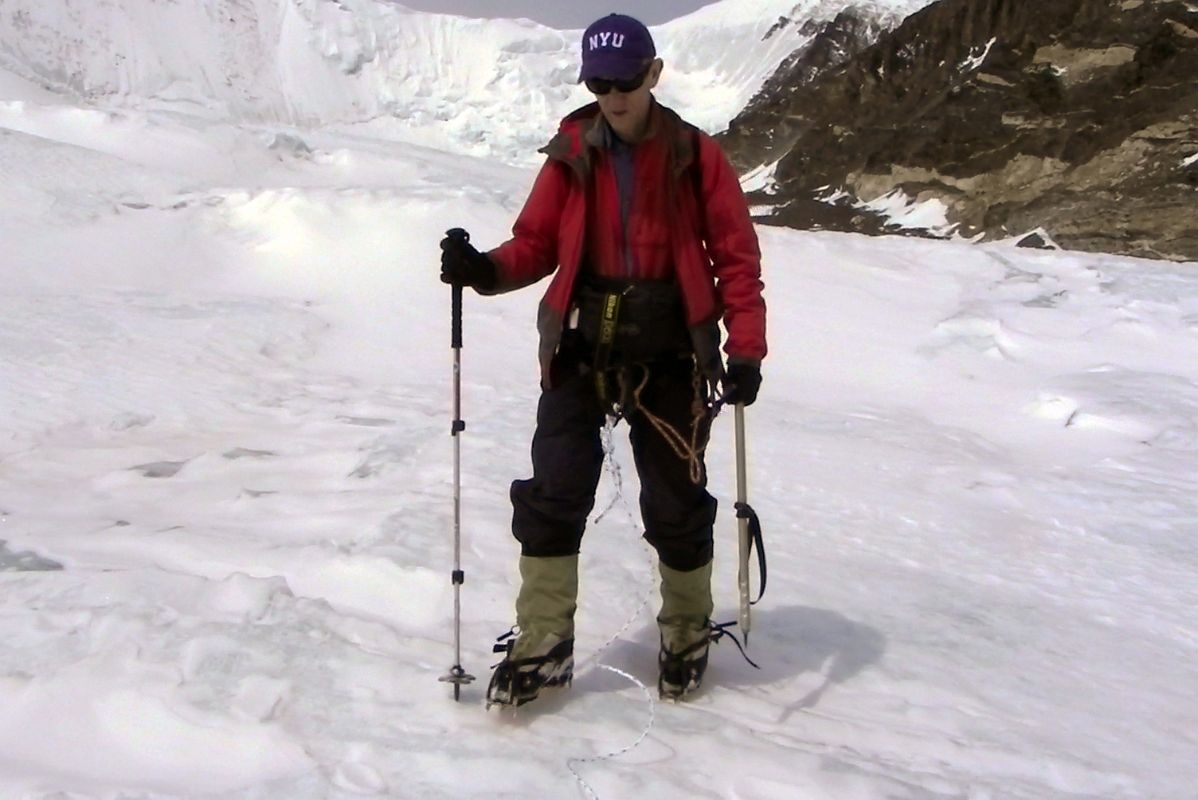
[(742, 521)]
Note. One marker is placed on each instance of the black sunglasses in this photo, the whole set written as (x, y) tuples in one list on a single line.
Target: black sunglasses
[(601, 86)]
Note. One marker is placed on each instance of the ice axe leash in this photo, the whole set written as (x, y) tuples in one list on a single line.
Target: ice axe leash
[(456, 675), (749, 532)]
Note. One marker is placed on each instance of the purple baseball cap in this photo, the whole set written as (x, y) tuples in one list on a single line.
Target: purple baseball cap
[(616, 46)]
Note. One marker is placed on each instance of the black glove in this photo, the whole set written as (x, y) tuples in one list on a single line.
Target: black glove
[(462, 265), (741, 383)]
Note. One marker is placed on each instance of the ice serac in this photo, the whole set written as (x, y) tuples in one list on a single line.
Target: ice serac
[(482, 87), (472, 85), (1076, 116)]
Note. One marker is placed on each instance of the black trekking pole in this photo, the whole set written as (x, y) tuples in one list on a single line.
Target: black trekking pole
[(456, 675)]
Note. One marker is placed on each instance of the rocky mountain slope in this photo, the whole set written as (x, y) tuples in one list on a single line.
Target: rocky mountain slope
[(1076, 116)]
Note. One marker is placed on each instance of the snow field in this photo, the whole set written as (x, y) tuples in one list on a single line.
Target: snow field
[(225, 498)]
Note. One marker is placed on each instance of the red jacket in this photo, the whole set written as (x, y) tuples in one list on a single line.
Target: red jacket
[(692, 215)]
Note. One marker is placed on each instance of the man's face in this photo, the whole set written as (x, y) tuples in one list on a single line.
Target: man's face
[(628, 112)]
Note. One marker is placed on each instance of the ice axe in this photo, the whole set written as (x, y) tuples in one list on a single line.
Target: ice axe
[(749, 530), (456, 675)]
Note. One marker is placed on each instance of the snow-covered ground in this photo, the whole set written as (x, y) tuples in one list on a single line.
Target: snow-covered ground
[(225, 498)]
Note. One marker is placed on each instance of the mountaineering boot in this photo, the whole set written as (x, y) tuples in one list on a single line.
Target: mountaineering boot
[(685, 625), (541, 654)]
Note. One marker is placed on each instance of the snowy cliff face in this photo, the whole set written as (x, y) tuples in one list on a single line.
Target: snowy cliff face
[(303, 62), (484, 87)]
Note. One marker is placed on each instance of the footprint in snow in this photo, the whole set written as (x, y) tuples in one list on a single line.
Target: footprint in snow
[(359, 778), (25, 561), (160, 469), (245, 452), (367, 422), (130, 421)]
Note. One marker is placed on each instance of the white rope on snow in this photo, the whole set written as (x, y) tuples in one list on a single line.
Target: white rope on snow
[(618, 480), (570, 763)]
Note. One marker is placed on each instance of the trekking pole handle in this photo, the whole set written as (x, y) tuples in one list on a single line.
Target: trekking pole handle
[(456, 310), (460, 235)]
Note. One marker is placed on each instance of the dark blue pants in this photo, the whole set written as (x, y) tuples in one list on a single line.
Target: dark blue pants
[(550, 509)]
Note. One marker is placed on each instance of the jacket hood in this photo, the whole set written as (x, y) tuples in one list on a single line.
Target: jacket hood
[(580, 134)]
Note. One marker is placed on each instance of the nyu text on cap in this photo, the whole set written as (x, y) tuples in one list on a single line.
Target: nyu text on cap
[(616, 46)]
